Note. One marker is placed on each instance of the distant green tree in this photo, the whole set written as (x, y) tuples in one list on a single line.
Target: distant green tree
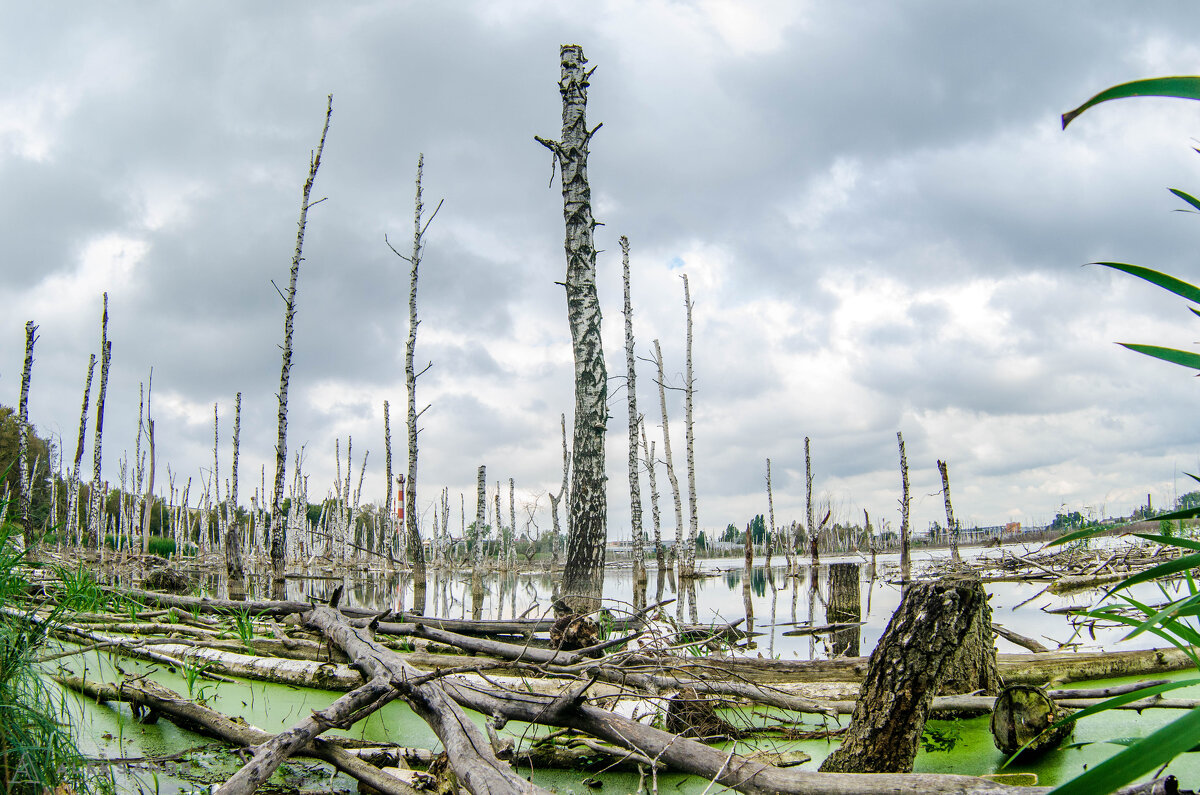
[(758, 530), (39, 450)]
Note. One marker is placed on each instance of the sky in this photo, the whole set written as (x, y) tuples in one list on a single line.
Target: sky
[(883, 226)]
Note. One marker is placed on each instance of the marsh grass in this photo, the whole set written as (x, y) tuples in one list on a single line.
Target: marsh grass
[(38, 753)]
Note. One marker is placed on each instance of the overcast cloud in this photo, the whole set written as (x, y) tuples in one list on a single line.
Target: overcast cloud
[(881, 222)]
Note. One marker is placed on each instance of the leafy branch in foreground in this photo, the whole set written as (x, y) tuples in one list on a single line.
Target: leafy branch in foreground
[(1169, 621)]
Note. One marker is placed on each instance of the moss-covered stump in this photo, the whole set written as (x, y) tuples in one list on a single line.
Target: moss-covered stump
[(691, 715), (1024, 713)]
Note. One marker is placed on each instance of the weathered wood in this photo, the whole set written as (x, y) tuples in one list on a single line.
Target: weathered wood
[(922, 639), (1020, 640), (1024, 714), (343, 713), (973, 668), (197, 717), (470, 752)]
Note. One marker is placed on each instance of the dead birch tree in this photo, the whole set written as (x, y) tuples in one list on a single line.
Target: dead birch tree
[(233, 543), (587, 533), (477, 544), (555, 499), (951, 524), (148, 502), (73, 527), (666, 426), (95, 531), (386, 524), (278, 522), (771, 527), (904, 502), (648, 451), (26, 498), (412, 535), (814, 532), (635, 489), (689, 437)]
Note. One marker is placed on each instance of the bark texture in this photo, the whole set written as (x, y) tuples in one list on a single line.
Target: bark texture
[(951, 524), (471, 755), (278, 522), (95, 506), (662, 404), (233, 539), (26, 480), (588, 530), (903, 675), (904, 506), (689, 437), (635, 489)]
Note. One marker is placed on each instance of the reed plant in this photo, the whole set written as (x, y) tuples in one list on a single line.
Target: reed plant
[(1174, 622), (38, 753)]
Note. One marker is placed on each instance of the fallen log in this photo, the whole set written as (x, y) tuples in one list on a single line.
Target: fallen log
[(570, 710), (470, 752), (1020, 640), (188, 714), (343, 713)]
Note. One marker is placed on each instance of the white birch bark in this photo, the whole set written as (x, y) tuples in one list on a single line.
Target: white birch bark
[(648, 451), (95, 507), (690, 436), (26, 540), (635, 489), (951, 524), (148, 501), (814, 532), (904, 503), (556, 498), (588, 529), (668, 459), (771, 512), (73, 527), (233, 545), (387, 524), (278, 523), (220, 523)]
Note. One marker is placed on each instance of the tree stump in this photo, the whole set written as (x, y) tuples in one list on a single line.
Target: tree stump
[(1023, 713), (904, 672), (844, 607), (973, 668)]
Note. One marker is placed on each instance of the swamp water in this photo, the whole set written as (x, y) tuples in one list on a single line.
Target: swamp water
[(778, 605)]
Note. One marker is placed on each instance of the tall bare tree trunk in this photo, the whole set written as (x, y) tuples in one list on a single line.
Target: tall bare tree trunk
[(648, 460), (95, 534), (72, 528), (904, 503), (148, 503), (278, 522), (689, 436), (385, 530), (511, 553), (814, 532), (412, 535), (662, 402), (26, 481), (555, 499), (951, 524), (583, 577), (477, 548), (233, 543), (217, 482), (635, 489), (771, 511)]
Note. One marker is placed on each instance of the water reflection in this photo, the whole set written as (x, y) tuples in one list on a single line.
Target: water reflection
[(834, 592)]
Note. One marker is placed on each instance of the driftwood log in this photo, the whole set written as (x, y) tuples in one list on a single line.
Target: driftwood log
[(571, 710), (158, 699), (922, 640), (470, 752)]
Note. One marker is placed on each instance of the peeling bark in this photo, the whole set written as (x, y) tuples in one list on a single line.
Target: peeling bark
[(588, 529)]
